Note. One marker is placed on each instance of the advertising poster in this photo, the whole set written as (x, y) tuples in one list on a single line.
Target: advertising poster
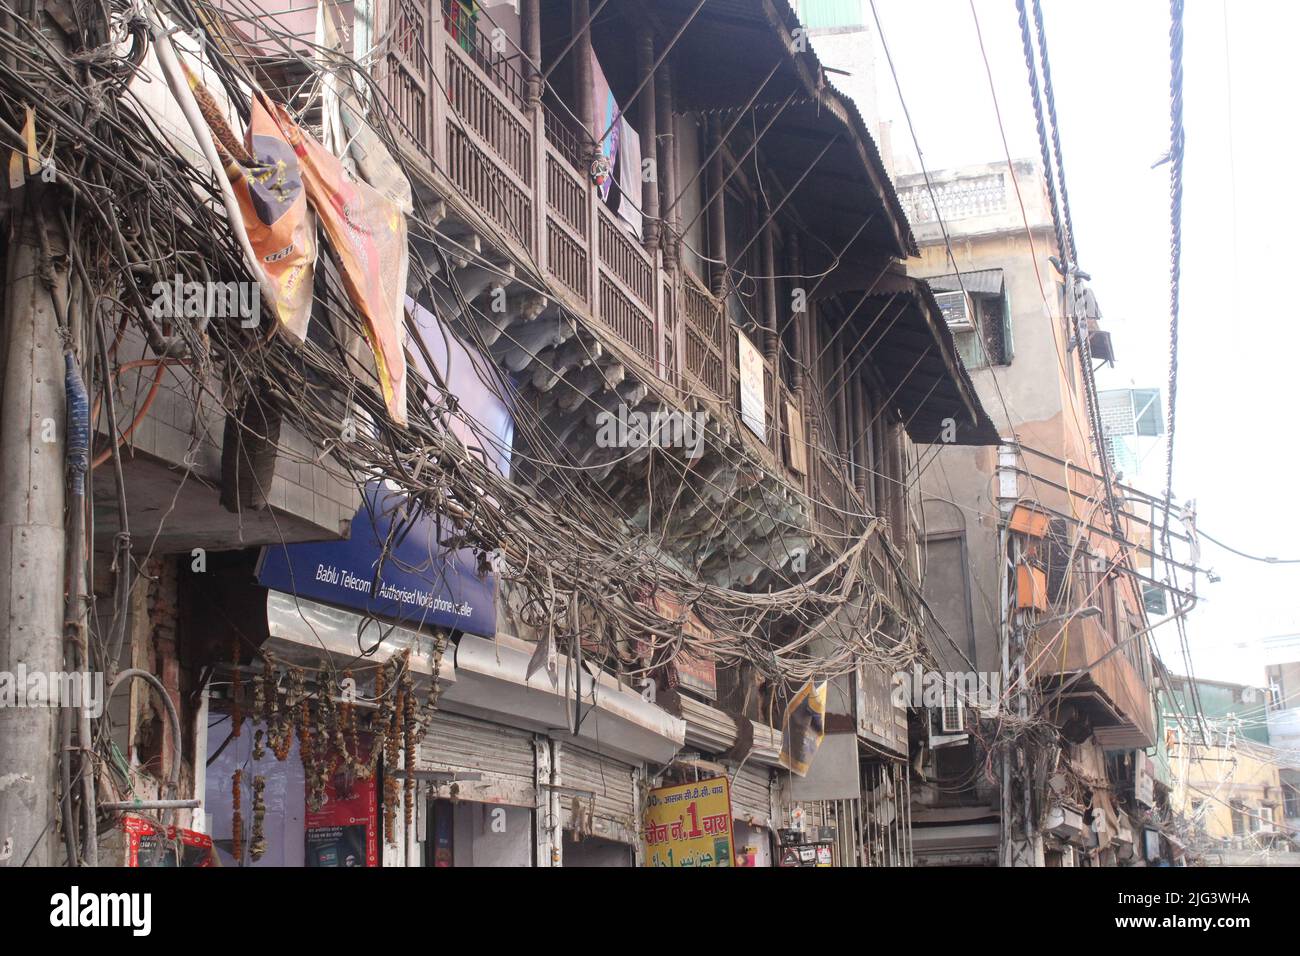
[(421, 582), (345, 831), (146, 846), (690, 825), (696, 672), (803, 728), (753, 408)]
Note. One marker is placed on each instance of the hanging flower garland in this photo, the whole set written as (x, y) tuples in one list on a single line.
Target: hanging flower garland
[(257, 848), (237, 819), (329, 734)]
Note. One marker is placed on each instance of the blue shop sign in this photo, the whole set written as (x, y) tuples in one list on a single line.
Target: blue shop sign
[(421, 583)]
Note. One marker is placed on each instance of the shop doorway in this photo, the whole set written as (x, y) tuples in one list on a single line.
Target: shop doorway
[(466, 833), (596, 851)]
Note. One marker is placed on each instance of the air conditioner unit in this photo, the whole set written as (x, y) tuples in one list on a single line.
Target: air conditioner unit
[(947, 726), (957, 310), (953, 718)]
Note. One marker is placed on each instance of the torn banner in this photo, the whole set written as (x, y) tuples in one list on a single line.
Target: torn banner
[(266, 178), (803, 728), (367, 234)]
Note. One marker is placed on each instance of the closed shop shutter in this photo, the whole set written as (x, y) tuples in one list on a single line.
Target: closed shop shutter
[(751, 795), (608, 808), (501, 758)]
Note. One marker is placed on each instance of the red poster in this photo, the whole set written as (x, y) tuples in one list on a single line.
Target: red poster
[(345, 830), (146, 847)]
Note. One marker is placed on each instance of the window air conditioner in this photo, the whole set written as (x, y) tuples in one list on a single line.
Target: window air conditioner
[(957, 310)]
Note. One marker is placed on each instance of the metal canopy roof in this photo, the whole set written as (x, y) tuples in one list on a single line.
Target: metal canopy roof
[(983, 281), (914, 352), (721, 60)]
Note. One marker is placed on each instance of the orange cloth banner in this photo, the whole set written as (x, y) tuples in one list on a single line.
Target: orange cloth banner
[(265, 175), (367, 233)]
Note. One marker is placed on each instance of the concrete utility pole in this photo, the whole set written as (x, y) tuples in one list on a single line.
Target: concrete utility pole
[(31, 539), (1019, 843)]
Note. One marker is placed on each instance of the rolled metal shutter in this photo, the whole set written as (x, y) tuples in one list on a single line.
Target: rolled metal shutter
[(751, 795), (501, 758), (608, 808)]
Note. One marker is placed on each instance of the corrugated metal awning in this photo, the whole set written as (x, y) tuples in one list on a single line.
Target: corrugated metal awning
[(914, 352), (714, 732), (601, 792), (488, 762), (983, 281)]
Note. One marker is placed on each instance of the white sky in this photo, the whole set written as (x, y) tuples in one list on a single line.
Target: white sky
[(1235, 448)]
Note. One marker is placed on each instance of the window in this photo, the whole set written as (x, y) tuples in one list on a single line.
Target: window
[(954, 718), (1239, 823), (948, 720), (1291, 800), (1146, 412), (977, 310), (1154, 599), (991, 318)]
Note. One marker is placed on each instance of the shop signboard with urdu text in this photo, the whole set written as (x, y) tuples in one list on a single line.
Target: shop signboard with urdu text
[(689, 824)]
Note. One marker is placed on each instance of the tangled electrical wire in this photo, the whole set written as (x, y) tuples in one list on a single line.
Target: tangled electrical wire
[(135, 209)]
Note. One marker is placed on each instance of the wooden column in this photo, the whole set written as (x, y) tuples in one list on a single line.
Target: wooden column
[(667, 152), (582, 80), (799, 320), (717, 213), (771, 340), (439, 110), (839, 384), (647, 110), (530, 29), (814, 386), (861, 459)]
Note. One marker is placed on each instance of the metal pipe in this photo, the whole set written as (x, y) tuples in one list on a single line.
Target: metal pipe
[(152, 804), (173, 782)]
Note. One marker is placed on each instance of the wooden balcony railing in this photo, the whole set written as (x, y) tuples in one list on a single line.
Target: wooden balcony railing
[(1083, 649), (404, 72), (459, 107), (560, 135), (497, 62), (707, 348)]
